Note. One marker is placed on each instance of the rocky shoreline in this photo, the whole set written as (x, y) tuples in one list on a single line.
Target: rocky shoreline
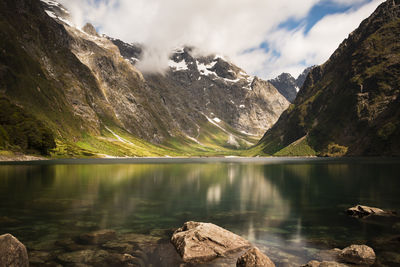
[(194, 244), (11, 156)]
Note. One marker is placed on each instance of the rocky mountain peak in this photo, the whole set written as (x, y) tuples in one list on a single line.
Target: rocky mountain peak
[(90, 29), (57, 11), (288, 86)]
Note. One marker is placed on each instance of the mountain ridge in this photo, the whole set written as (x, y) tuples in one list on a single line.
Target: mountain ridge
[(350, 104)]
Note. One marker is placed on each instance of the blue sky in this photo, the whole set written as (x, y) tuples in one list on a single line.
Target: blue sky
[(264, 37)]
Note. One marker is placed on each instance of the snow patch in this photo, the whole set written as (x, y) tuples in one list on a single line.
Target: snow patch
[(232, 141), (217, 120), (246, 133), (242, 106), (194, 139), (229, 80), (219, 56), (178, 66), (297, 89), (178, 50), (50, 2), (204, 69), (123, 140), (54, 16), (214, 123)]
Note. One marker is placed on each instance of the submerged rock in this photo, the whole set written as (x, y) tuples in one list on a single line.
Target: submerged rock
[(253, 258), (39, 257), (328, 255), (354, 254), (98, 237), (84, 256), (324, 264), (132, 260), (361, 211), (165, 255), (358, 254), (4, 220), (201, 242), (12, 252)]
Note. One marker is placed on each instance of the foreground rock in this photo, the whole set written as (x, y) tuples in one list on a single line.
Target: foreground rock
[(201, 242), (98, 237), (361, 211), (358, 254), (253, 258), (12, 252)]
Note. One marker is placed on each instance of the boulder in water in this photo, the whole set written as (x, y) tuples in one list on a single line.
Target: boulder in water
[(202, 242), (254, 258)]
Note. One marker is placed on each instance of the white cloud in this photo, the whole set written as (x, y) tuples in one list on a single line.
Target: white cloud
[(227, 27), (298, 49)]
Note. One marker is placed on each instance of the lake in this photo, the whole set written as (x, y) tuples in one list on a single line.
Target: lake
[(289, 208)]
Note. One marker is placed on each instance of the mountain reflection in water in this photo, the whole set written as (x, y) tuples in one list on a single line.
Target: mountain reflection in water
[(287, 209)]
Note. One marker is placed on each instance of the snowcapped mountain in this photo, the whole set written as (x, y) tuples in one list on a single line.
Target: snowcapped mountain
[(90, 94)]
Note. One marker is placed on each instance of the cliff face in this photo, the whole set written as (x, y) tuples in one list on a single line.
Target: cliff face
[(87, 90), (350, 104)]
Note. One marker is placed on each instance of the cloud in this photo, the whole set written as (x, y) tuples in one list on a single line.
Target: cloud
[(234, 28), (298, 48)]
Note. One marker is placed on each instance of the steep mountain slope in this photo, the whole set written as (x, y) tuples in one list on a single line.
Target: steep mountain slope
[(302, 77), (288, 86), (217, 89), (96, 102), (350, 105)]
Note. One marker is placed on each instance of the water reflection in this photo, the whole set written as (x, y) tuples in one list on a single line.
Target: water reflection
[(278, 206)]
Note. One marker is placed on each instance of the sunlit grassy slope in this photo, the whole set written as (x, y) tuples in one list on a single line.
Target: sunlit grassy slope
[(116, 142)]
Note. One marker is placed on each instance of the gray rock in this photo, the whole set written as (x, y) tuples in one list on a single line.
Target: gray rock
[(254, 257), (358, 254), (202, 242), (98, 237), (12, 252), (361, 211)]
